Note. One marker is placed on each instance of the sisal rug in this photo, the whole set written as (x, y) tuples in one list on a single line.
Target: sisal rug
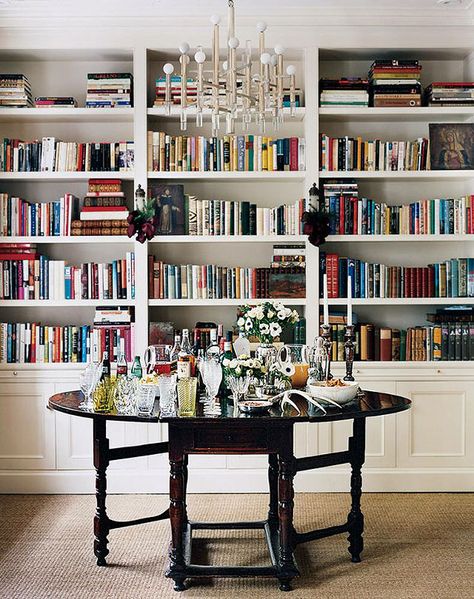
[(416, 546)]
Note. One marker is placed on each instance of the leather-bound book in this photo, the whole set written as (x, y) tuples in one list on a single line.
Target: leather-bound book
[(386, 344)]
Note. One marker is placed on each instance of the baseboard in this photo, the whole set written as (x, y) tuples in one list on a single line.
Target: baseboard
[(237, 481)]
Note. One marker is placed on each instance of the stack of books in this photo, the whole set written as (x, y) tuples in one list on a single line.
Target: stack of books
[(351, 91), (160, 90), (15, 90), (355, 154), (109, 90), (104, 211), (395, 83), (228, 153), (51, 154), (19, 217), (55, 102), (451, 278), (450, 93), (111, 324)]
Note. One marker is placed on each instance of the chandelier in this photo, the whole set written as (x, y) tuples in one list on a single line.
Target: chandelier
[(235, 89)]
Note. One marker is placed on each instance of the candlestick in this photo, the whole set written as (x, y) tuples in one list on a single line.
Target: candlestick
[(326, 335), (325, 300), (349, 352), (349, 301)]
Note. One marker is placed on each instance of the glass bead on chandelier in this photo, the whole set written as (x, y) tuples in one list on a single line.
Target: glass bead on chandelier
[(237, 88)]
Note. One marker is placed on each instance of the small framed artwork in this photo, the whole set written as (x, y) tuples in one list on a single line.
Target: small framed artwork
[(451, 146), (169, 208)]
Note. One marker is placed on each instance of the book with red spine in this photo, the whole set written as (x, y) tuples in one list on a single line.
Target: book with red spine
[(294, 154)]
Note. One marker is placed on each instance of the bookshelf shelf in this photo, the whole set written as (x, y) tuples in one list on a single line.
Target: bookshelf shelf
[(66, 176), (408, 114), (159, 112), (228, 239), (404, 301), (398, 175), (66, 115), (42, 366), (399, 238), (64, 303), (221, 302), (230, 175), (73, 239)]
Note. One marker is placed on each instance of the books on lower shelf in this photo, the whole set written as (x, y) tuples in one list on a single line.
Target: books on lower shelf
[(221, 217), (35, 343), (109, 90), (53, 155), (27, 275), (451, 278), (15, 90), (355, 154), (183, 153), (284, 278)]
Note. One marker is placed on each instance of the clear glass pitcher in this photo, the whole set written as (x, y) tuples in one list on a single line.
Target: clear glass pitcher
[(157, 359), (298, 356)]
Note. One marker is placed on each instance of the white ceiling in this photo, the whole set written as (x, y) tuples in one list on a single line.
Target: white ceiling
[(201, 8)]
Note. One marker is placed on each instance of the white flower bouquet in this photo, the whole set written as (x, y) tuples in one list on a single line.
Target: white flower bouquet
[(243, 365), (266, 320)]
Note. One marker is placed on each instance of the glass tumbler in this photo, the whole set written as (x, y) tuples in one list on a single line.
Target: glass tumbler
[(167, 386), (145, 399), (187, 389), (125, 395)]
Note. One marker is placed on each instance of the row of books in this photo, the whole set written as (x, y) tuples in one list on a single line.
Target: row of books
[(109, 90), (35, 343), (51, 154), (195, 281), (20, 217), (220, 217), (450, 93), (36, 277), (228, 153), (452, 278), (362, 216), (55, 102), (15, 90), (395, 83), (355, 154)]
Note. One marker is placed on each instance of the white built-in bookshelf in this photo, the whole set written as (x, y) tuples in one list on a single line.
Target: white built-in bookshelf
[(65, 74)]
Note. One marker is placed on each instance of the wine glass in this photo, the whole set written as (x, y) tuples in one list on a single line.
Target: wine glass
[(239, 385), (211, 372), (88, 380), (125, 398)]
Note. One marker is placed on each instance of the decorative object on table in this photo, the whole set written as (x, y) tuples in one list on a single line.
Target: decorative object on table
[(104, 394), (211, 374), (316, 220), (255, 406), (294, 362), (266, 321), (451, 146), (89, 378), (142, 221), (239, 386), (335, 392), (233, 89), (125, 396), (318, 361), (157, 359), (168, 201), (327, 342), (186, 389), (349, 348), (167, 389), (145, 398)]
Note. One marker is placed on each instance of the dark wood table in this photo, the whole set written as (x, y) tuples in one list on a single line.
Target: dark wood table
[(270, 433)]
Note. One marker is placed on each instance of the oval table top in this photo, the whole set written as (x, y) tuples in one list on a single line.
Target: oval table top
[(367, 404)]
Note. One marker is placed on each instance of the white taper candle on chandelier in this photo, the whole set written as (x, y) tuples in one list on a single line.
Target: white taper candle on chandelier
[(325, 300), (349, 301)]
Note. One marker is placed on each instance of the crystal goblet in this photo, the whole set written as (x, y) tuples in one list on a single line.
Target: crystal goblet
[(88, 380)]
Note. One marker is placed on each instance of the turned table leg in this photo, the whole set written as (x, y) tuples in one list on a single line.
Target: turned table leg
[(355, 519), (101, 462), (177, 519), (273, 486)]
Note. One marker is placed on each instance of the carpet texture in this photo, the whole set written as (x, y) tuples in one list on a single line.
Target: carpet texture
[(416, 546)]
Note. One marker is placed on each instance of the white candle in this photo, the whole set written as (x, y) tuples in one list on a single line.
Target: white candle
[(325, 300), (349, 300)]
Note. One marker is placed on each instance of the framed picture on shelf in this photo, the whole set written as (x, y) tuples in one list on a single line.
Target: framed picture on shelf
[(451, 146), (169, 208)]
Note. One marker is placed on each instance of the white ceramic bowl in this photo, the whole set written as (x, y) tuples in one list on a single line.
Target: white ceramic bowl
[(340, 395)]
